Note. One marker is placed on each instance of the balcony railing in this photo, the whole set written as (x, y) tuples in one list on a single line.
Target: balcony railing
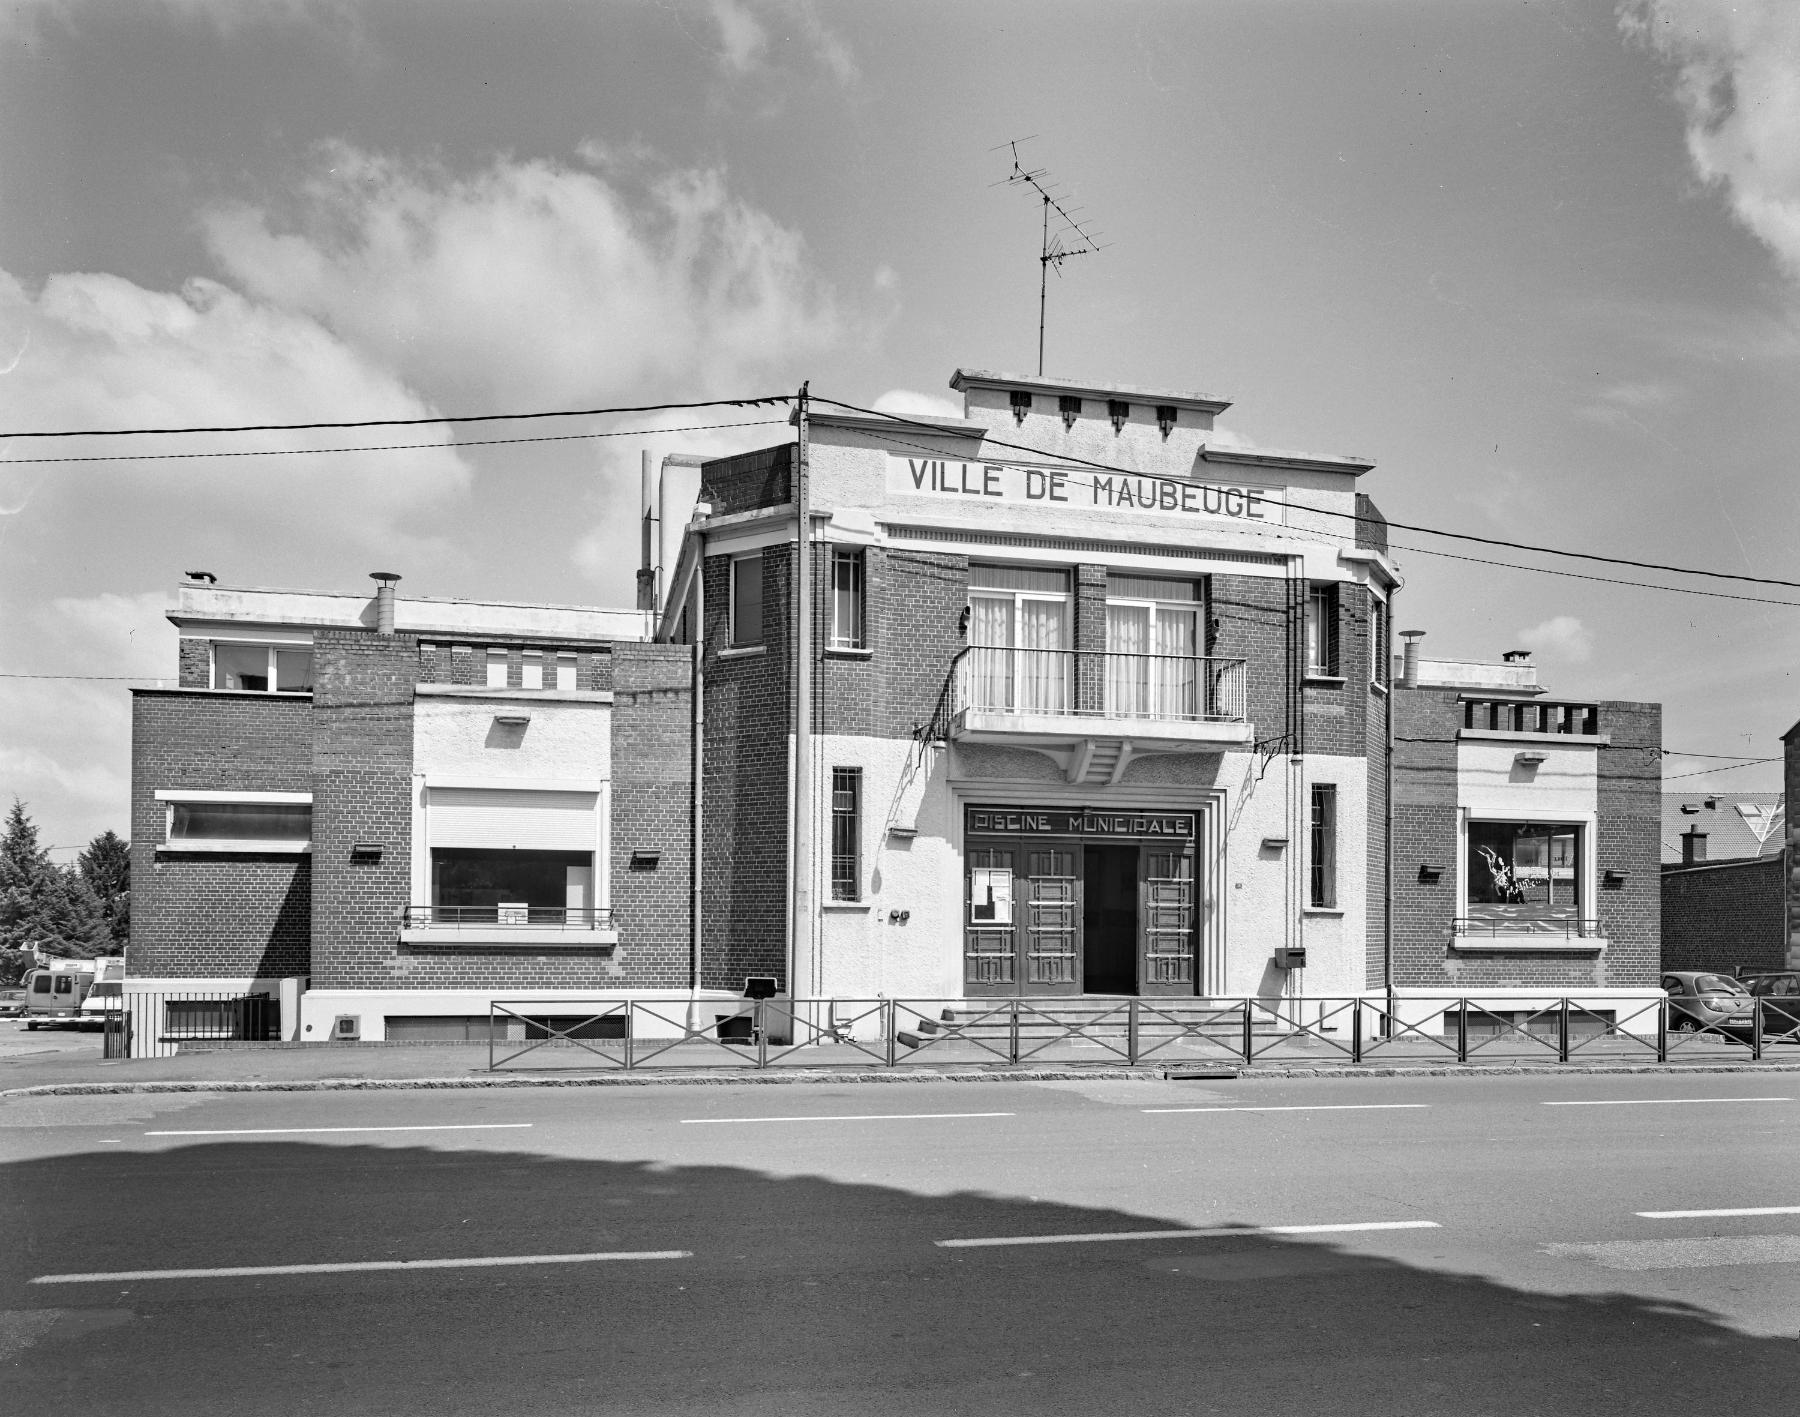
[(1569, 927), (1101, 684), (519, 916), (1535, 716)]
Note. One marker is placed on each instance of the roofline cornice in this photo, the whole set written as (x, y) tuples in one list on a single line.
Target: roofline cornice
[(964, 379)]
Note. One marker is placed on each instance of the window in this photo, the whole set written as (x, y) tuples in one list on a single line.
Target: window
[(1152, 648), (565, 672), (1321, 891), (1380, 654), (263, 669), (207, 823), (1322, 629), (1019, 659), (477, 885), (746, 600), (846, 833), (1524, 870), (496, 669), (847, 601), (531, 673)]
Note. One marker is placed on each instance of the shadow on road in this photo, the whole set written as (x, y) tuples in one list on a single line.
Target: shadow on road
[(803, 1296)]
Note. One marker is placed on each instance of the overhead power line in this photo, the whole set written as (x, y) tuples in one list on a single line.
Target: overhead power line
[(404, 422), (397, 447), (1348, 516)]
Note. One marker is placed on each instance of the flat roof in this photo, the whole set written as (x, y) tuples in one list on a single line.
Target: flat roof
[(195, 603), (1041, 383)]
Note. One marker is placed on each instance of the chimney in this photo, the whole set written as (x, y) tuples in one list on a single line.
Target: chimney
[(1517, 656), (1693, 847), (649, 589), (1409, 663), (384, 601)]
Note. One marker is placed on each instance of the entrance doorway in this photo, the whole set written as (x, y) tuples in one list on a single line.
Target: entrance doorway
[(1109, 920)]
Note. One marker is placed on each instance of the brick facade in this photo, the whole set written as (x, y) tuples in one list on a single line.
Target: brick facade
[(1726, 917), (197, 915), (652, 798)]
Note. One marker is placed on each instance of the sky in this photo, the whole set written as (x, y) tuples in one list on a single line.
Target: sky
[(1539, 260)]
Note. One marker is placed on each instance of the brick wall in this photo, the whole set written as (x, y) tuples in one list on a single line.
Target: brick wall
[(1253, 623), (1375, 746), (1790, 779), (652, 796), (1725, 917), (200, 915), (749, 480), (196, 664), (745, 822), (1630, 841), (1336, 714), (1425, 832), (915, 603), (1371, 526), (362, 792), (465, 662)]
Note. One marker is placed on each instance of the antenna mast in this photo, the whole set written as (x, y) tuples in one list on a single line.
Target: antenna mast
[(1070, 238)]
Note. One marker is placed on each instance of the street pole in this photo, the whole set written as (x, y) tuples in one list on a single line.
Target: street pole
[(802, 965)]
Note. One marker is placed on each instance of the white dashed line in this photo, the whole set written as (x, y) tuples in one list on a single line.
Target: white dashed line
[(1659, 1101), (1323, 1107), (357, 1267), (870, 1117), (1712, 1214), (1214, 1232)]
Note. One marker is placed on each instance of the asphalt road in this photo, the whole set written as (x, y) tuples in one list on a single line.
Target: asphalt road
[(805, 1249)]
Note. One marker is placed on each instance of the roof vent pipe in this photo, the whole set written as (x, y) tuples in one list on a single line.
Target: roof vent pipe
[(1409, 663), (384, 601)]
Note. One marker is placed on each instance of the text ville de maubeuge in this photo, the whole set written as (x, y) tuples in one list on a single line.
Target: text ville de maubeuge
[(1124, 491)]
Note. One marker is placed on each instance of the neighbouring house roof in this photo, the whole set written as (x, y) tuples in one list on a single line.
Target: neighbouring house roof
[(1738, 825)]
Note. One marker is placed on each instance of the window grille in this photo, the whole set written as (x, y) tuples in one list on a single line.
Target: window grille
[(846, 833), (1322, 629), (848, 602)]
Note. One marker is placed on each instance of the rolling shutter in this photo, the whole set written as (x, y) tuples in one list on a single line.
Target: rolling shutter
[(509, 818)]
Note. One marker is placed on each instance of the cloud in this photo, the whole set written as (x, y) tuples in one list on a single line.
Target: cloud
[(69, 753), (1625, 404), (746, 46), (530, 285), (98, 351), (909, 403), (1738, 81), (1561, 637)]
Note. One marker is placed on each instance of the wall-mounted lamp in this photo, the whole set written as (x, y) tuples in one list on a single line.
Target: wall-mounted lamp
[(1275, 843), (645, 860), (1165, 419), (512, 720), (1429, 872), (1118, 410), (1021, 405), (366, 852)]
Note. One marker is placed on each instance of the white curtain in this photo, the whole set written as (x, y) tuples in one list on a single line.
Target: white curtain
[(1177, 677), (990, 655), (1127, 672), (1043, 663)]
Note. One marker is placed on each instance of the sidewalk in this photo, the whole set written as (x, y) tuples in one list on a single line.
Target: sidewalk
[(36, 1063)]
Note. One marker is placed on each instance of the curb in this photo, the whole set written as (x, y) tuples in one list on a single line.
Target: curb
[(820, 1075)]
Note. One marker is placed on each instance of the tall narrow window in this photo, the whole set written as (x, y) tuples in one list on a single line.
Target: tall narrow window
[(1322, 629), (846, 833), (496, 669), (847, 600), (747, 600), (1380, 656), (1321, 890)]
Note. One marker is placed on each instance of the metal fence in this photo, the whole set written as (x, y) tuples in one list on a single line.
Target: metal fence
[(1239, 1033), (137, 1024)]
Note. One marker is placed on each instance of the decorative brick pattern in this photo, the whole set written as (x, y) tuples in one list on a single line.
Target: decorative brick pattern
[(1725, 917), (198, 916)]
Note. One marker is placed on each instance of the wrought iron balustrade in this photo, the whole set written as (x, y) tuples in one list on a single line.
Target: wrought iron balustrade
[(1569, 927), (1101, 684), (544, 917)]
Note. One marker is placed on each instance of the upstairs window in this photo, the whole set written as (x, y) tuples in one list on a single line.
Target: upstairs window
[(1322, 630), (532, 671), (1380, 655), (262, 669), (496, 669), (1524, 872), (225, 821), (848, 604), (1019, 659), (1153, 641), (746, 601), (565, 672)]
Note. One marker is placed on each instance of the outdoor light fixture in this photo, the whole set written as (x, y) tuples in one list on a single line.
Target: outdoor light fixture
[(1275, 843), (366, 851), (1615, 878), (645, 860), (1165, 419), (1429, 872)]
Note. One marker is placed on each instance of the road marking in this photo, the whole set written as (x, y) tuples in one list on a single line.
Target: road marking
[(358, 1267), (293, 1131), (870, 1117), (1710, 1253), (1711, 1214), (1659, 1101), (1322, 1107), (1219, 1231)]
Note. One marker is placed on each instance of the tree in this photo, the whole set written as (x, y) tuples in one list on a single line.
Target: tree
[(106, 866), (42, 905)]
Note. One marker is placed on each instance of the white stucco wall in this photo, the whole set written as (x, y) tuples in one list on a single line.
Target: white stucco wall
[(456, 737)]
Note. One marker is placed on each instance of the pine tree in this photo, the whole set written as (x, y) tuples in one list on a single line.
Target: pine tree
[(106, 866), (42, 905)]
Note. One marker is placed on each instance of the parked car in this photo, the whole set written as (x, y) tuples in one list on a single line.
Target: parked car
[(1780, 992), (1699, 999)]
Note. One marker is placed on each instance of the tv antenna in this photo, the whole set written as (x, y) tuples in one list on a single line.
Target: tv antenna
[(1069, 238)]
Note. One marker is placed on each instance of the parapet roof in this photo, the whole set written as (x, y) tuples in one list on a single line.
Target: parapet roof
[(964, 379), (196, 603)]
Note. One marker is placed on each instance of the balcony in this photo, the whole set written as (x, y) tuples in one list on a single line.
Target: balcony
[(509, 926), (1092, 711)]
